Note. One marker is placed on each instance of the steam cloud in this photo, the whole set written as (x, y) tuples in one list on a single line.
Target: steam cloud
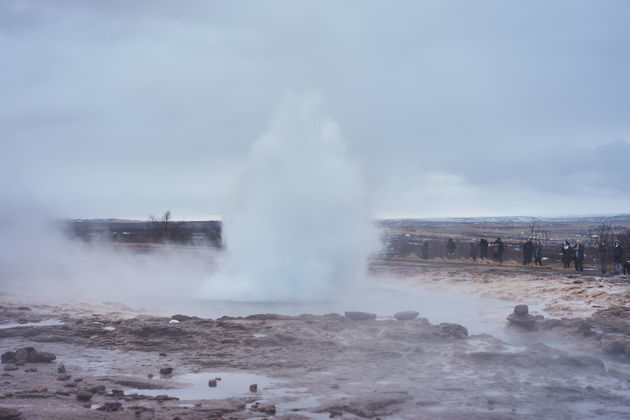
[(302, 229)]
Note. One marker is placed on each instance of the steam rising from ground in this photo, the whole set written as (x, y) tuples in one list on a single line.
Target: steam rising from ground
[(39, 262), (301, 229)]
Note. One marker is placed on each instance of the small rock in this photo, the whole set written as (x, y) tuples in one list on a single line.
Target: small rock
[(406, 315), (364, 412), (21, 355), (334, 386), (10, 413), (266, 409), (162, 354), (521, 310), (110, 406), (36, 356), (118, 392), (84, 396), (166, 371), (212, 383), (150, 376), (11, 367), (64, 377), (164, 398), (360, 316), (70, 385), (32, 369), (61, 368), (39, 388), (96, 388), (253, 388), (8, 356)]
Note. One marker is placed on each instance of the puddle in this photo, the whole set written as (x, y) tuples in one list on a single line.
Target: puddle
[(194, 386), (44, 323)]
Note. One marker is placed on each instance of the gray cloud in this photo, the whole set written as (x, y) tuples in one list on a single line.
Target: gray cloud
[(124, 108)]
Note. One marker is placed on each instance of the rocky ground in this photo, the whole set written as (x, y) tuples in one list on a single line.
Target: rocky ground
[(566, 356)]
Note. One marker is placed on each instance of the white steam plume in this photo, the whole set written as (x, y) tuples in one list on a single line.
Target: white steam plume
[(302, 229)]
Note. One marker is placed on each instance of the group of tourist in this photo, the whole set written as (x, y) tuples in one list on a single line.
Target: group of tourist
[(533, 251), (497, 247)]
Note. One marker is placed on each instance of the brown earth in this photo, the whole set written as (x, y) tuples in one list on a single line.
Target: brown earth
[(570, 361)]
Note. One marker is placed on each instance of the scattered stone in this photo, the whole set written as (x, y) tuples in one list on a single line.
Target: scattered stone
[(118, 392), (61, 368), (150, 376), (164, 398), (268, 409), (8, 356), (521, 318), (111, 406), (11, 367), (96, 389), (39, 388), (162, 354), (364, 412), (166, 371), (27, 354), (406, 315), (40, 357), (21, 355), (360, 316), (32, 369), (521, 310), (450, 330), (212, 383), (64, 377), (10, 413), (70, 385), (253, 388), (84, 396), (335, 386)]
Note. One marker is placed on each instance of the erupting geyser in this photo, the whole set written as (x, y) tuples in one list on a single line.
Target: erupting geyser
[(301, 228)]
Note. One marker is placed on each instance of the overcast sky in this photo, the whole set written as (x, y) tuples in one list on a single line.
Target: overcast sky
[(451, 108)]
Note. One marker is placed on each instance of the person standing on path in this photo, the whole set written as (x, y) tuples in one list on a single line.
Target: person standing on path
[(483, 248), (567, 254), (538, 254), (618, 256), (450, 248), (473, 250), (579, 256), (603, 256), (498, 249), (528, 251)]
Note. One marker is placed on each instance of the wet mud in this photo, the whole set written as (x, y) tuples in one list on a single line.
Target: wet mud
[(568, 358)]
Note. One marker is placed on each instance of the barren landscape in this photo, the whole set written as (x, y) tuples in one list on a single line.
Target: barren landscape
[(567, 357)]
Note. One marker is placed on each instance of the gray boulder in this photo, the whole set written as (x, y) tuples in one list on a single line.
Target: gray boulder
[(360, 316), (405, 315)]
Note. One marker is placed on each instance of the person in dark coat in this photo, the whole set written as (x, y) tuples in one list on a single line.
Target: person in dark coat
[(578, 256), (473, 250), (528, 251), (483, 249), (603, 256), (425, 249), (567, 254), (538, 253), (498, 247), (450, 248), (618, 256)]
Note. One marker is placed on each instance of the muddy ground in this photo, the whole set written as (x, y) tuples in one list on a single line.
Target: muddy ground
[(566, 358)]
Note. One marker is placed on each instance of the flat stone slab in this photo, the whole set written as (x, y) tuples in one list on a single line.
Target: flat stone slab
[(405, 315), (360, 316)]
